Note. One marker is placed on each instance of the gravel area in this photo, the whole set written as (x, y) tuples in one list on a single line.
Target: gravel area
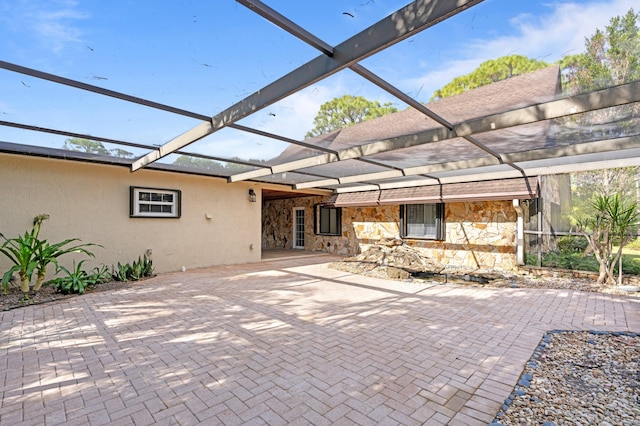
[(578, 378)]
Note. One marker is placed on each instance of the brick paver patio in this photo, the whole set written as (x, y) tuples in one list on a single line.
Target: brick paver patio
[(282, 342)]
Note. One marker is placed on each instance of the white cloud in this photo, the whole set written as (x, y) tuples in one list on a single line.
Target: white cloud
[(54, 24), (547, 37)]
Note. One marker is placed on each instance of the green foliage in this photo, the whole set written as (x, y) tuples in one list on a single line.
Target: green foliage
[(77, 280), (630, 265), (20, 251), (635, 244), (346, 111), (572, 244), (202, 164), (489, 72), (215, 167), (141, 268), (94, 147), (46, 253), (30, 254), (610, 221), (569, 260), (586, 186), (102, 273), (611, 57), (580, 262), (121, 272)]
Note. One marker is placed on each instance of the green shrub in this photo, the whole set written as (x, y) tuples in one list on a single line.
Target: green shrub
[(630, 265), (102, 274), (76, 280), (572, 243), (634, 244), (141, 268), (580, 262), (29, 254), (122, 272)]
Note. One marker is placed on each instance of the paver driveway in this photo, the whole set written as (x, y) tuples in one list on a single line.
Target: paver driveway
[(282, 342)]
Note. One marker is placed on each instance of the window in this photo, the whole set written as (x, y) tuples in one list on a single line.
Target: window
[(328, 220), (422, 221), (150, 202)]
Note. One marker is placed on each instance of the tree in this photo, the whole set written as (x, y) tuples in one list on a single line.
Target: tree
[(609, 222), (612, 57), (587, 186), (85, 145), (94, 147), (346, 111), (199, 163), (488, 72)]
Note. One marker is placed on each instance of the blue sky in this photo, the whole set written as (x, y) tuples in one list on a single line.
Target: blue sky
[(205, 56)]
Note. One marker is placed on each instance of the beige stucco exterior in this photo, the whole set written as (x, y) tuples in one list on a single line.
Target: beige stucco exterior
[(480, 234), (91, 202)]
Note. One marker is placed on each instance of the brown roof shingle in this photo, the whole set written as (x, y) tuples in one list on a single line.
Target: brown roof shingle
[(506, 189)]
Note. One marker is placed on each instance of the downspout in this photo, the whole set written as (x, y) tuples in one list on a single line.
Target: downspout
[(519, 233)]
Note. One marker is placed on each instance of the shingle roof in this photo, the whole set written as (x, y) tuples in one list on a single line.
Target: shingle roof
[(524, 90)]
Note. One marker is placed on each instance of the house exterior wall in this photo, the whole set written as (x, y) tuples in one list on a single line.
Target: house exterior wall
[(478, 234), (91, 202)]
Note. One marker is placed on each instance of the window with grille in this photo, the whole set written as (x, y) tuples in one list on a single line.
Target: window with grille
[(151, 202)]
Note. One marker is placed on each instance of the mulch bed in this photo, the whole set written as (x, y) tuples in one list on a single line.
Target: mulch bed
[(15, 298)]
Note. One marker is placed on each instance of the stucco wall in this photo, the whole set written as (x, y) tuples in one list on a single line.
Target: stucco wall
[(478, 234), (91, 202)]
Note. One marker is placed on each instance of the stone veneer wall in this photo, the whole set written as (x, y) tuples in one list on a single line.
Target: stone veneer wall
[(478, 234)]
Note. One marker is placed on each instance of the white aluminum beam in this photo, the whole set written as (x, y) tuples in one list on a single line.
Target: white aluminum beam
[(317, 184), (406, 22)]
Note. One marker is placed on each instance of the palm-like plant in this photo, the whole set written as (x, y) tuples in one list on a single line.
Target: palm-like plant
[(20, 251), (46, 253), (30, 254), (610, 222)]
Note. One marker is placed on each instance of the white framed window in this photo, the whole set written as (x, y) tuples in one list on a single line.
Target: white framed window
[(328, 220), (153, 202), (422, 221)]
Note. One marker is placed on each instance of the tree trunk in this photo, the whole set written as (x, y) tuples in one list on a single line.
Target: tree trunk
[(24, 283), (620, 271), (39, 280)]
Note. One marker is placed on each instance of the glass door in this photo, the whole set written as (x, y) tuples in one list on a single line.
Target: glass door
[(298, 228)]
